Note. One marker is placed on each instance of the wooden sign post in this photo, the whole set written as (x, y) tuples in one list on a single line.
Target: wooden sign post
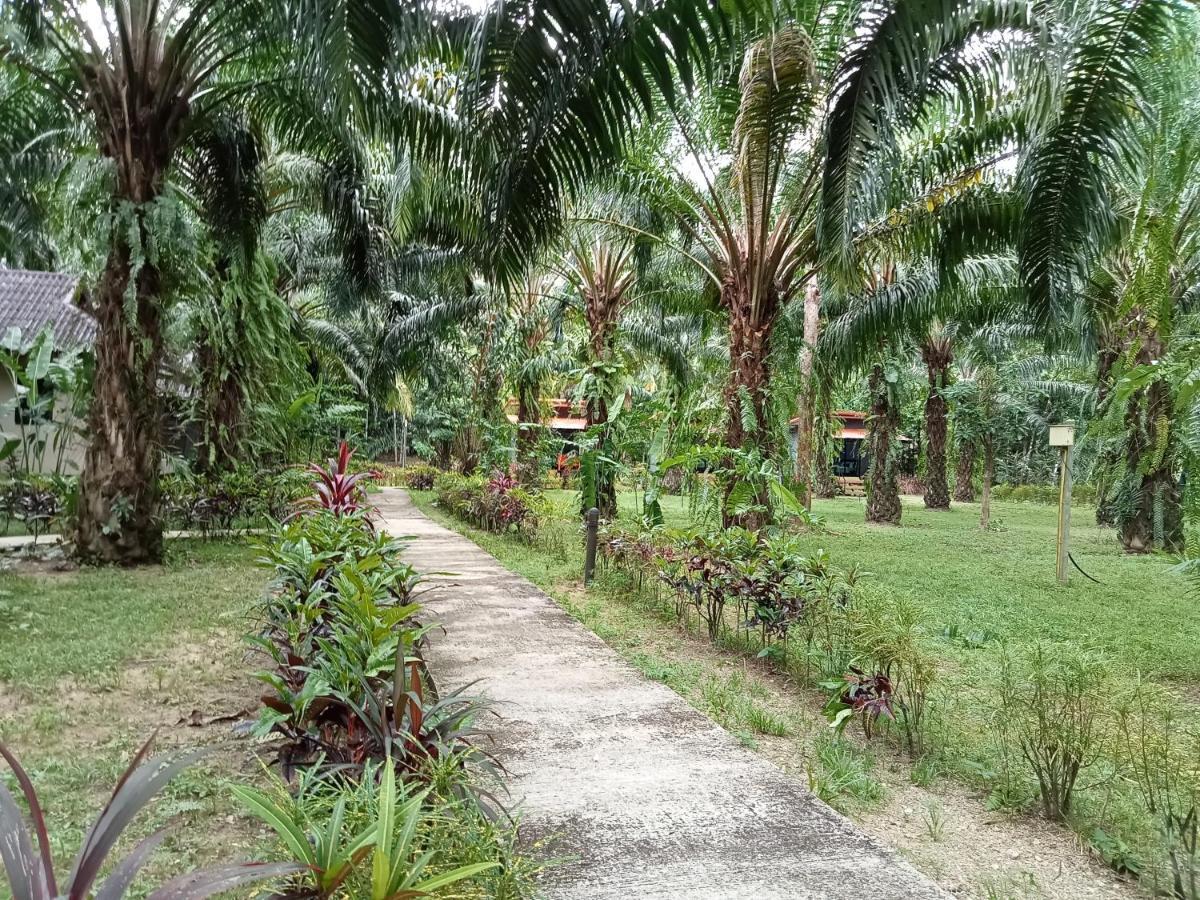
[(1063, 437)]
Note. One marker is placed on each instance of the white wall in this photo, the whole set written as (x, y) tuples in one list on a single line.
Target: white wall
[(73, 452)]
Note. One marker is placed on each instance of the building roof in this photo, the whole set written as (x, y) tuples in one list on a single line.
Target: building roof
[(853, 426), (565, 415), (31, 301)]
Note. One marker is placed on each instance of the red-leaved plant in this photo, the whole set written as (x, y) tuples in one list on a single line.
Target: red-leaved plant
[(337, 490), (31, 872), (868, 693)]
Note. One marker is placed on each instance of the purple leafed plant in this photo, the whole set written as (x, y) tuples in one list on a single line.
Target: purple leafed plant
[(337, 490), (31, 871)]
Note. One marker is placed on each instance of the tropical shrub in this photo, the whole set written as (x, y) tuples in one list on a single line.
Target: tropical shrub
[(243, 498), (499, 503), (419, 477), (30, 866), (337, 488), (1051, 708), (887, 635), (434, 841)]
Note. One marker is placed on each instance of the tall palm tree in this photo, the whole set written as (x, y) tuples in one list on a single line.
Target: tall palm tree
[(1139, 300), (937, 353), (140, 78)]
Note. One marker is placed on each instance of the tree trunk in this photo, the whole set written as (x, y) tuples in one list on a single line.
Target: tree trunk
[(937, 361), (989, 473), (117, 518), (883, 491), (964, 475), (221, 412), (746, 403), (805, 413), (1155, 520), (823, 483)]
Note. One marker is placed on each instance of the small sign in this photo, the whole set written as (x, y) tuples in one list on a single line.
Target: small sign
[(1062, 435)]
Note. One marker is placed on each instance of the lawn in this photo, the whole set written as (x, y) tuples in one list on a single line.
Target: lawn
[(1001, 583), (95, 661)]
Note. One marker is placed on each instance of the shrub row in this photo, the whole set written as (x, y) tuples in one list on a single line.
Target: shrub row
[(497, 504), (355, 717), (1042, 493)]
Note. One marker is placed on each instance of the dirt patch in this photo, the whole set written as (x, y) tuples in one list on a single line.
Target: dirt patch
[(944, 830)]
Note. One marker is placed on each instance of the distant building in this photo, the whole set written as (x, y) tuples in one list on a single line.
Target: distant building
[(31, 302), (566, 418), (851, 432)]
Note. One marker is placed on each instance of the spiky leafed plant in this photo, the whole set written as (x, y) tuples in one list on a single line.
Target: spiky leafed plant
[(31, 873)]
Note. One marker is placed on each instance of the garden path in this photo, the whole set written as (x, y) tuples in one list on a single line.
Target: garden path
[(638, 794)]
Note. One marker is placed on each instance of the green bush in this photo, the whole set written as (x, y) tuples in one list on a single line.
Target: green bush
[(419, 477), (1051, 709), (244, 498), (498, 504), (1042, 493)]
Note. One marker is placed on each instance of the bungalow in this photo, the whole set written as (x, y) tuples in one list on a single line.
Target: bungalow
[(30, 303), (851, 435), (566, 418)]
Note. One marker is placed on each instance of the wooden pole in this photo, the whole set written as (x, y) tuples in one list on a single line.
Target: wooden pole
[(1064, 516), (589, 555)]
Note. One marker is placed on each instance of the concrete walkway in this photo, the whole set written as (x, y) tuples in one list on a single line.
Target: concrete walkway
[(639, 794)]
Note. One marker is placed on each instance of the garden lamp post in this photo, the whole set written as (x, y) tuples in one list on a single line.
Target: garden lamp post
[(1063, 437)]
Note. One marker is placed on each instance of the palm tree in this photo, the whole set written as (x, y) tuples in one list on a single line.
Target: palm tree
[(140, 78), (1139, 300), (937, 353)]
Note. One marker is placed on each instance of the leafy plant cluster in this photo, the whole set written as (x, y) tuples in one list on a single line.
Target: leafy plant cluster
[(388, 803), (37, 504), (498, 504), (420, 477), (386, 765), (244, 497), (755, 590)]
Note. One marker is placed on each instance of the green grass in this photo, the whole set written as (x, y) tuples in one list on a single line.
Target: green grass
[(87, 623), (1001, 584), (92, 662)]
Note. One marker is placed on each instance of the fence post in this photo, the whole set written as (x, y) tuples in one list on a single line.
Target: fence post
[(589, 555)]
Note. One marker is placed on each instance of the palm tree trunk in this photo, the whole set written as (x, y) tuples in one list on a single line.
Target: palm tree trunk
[(1156, 519), (883, 490), (220, 413), (823, 482), (117, 518), (937, 491), (805, 413), (989, 473), (746, 401), (964, 475)]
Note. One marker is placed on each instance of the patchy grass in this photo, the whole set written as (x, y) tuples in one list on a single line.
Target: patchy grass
[(95, 661), (87, 623)]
